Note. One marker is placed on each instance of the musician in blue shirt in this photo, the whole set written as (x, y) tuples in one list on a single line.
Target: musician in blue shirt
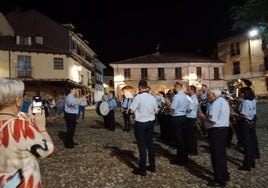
[(191, 121), (178, 107), (125, 104), (71, 111), (246, 130), (113, 108)]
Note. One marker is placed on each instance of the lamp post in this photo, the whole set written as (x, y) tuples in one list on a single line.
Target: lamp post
[(251, 34)]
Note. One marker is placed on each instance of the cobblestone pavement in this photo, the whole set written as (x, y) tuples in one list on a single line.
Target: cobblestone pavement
[(105, 159)]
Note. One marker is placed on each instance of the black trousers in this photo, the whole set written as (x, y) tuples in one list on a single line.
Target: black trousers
[(111, 120), (192, 135), (126, 117), (248, 143), (144, 136), (217, 138), (70, 127), (181, 138)]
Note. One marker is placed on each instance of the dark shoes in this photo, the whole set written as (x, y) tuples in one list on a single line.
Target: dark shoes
[(176, 162), (243, 168), (74, 143), (151, 169), (216, 184), (138, 171), (70, 146)]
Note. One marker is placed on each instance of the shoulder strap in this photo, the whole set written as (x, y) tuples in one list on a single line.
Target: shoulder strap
[(6, 123)]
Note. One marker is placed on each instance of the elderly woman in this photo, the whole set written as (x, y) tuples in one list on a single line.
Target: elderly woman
[(23, 140)]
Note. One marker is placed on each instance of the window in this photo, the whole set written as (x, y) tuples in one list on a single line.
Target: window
[(236, 68), (161, 73), (127, 74), (235, 49), (216, 73), (198, 72), (144, 74), (58, 63), (24, 66), (266, 63), (24, 40), (178, 73)]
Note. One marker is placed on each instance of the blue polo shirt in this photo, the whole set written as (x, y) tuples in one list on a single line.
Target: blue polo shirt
[(179, 104), (68, 107)]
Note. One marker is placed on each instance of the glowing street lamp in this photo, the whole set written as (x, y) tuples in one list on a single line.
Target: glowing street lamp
[(253, 32)]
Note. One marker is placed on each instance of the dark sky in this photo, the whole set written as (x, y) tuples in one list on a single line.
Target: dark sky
[(120, 29)]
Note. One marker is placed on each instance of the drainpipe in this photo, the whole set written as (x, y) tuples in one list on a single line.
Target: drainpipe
[(9, 64)]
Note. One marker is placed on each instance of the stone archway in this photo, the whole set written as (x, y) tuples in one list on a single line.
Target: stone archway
[(129, 89), (161, 88)]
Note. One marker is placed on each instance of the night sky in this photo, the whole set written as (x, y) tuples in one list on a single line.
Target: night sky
[(121, 29)]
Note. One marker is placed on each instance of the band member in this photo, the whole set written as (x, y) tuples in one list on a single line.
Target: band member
[(178, 107), (71, 111), (125, 104), (191, 121), (217, 122), (246, 128), (113, 108), (144, 106)]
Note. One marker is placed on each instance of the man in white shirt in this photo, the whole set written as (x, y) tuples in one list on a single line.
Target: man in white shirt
[(145, 107), (217, 122)]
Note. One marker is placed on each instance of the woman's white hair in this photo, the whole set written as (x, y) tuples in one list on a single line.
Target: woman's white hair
[(216, 91), (9, 90)]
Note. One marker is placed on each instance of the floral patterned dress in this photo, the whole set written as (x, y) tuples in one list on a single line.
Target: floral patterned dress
[(21, 145)]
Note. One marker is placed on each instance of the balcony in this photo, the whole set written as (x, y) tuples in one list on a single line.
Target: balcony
[(24, 72)]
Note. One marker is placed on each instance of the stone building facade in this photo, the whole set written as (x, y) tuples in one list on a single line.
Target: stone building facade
[(245, 58), (49, 57), (163, 70)]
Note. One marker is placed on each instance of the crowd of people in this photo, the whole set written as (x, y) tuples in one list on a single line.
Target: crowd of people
[(179, 113), (182, 113)]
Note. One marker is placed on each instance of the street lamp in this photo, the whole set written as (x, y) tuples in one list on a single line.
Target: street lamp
[(253, 33)]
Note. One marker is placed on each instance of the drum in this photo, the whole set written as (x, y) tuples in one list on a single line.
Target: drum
[(102, 108), (98, 107)]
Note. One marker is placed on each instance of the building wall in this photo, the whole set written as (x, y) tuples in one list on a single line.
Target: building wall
[(169, 68), (251, 60), (4, 63)]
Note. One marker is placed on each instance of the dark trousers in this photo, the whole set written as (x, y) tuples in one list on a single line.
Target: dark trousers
[(248, 143), (163, 120), (111, 120), (192, 135), (70, 127), (106, 121), (181, 138), (81, 110), (126, 117), (217, 138), (144, 136)]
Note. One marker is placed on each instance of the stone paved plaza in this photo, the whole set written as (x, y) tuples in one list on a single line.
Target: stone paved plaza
[(106, 159)]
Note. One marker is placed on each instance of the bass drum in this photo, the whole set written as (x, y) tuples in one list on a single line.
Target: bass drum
[(104, 108), (98, 107)]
